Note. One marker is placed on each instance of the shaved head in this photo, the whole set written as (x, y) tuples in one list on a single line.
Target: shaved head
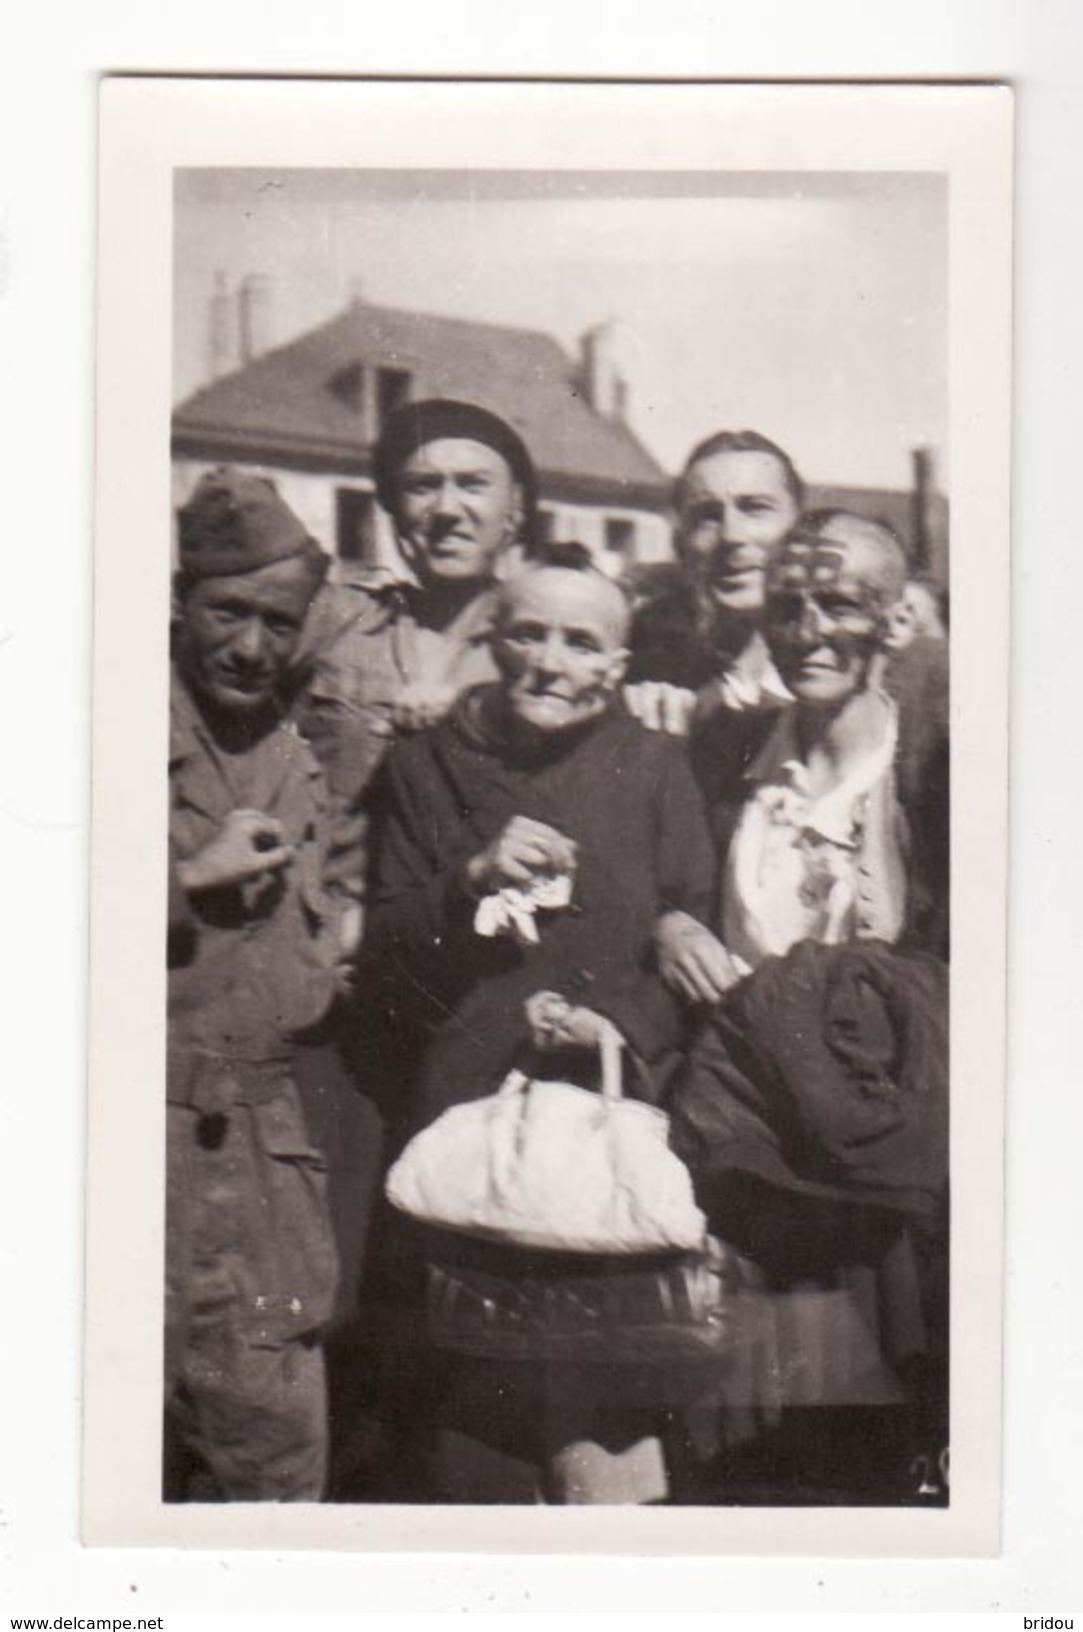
[(832, 593), (560, 643), (832, 544), (583, 586)]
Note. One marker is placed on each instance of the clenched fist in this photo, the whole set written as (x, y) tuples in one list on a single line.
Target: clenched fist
[(247, 845), (556, 1023), (523, 851)]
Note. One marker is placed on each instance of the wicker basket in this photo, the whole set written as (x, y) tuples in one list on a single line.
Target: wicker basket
[(598, 1310)]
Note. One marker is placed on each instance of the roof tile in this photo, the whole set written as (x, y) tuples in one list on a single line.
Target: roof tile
[(286, 397)]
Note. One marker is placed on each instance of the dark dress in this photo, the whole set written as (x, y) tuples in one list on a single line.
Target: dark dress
[(444, 1021), (449, 1004)]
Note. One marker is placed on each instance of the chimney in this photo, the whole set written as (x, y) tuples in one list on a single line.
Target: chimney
[(222, 329), (605, 389), (254, 304)]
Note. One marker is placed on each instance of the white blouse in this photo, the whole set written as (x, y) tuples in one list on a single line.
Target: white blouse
[(829, 869)]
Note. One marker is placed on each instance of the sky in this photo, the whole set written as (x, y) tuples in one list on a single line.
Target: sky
[(810, 307)]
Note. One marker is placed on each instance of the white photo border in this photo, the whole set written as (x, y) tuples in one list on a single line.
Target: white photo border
[(149, 127)]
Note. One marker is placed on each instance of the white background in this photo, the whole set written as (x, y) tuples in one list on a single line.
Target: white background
[(47, 109), (150, 126)]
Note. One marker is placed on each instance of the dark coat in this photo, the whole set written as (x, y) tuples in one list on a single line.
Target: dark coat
[(450, 1004), (818, 1091), (919, 681), (679, 640)]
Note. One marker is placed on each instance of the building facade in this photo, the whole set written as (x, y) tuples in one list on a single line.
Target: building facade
[(308, 414)]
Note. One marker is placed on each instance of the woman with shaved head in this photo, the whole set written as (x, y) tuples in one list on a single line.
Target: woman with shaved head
[(814, 1105), (475, 965), (832, 593)]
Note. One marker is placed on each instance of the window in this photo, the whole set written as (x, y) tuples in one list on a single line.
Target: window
[(392, 390), (547, 525), (620, 536), (348, 385), (355, 525)]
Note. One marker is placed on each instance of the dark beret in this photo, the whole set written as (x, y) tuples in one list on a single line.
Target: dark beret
[(416, 423), (236, 522)]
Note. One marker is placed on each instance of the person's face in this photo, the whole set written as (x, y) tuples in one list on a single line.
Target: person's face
[(828, 610), (921, 604), (239, 633), (458, 506), (560, 647), (737, 508), (903, 627)]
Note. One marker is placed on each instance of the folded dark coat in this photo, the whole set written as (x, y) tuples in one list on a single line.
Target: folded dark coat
[(823, 1076)]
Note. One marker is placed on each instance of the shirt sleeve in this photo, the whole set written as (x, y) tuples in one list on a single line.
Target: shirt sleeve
[(348, 742), (340, 699)]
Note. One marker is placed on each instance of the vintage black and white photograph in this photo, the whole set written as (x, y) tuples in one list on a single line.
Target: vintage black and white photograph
[(556, 832)]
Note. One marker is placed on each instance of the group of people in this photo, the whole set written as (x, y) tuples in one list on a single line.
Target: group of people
[(483, 814)]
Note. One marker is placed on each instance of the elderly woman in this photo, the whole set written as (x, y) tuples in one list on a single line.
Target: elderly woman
[(542, 786), (814, 1104)]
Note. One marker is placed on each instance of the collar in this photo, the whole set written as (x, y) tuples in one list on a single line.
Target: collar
[(779, 765), (472, 624), (407, 595), (476, 719), (187, 733), (751, 680), (190, 737)]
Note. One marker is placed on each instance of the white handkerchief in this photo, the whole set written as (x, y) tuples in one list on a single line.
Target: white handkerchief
[(511, 911)]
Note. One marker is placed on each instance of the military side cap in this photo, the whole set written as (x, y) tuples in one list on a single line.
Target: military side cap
[(435, 418), (236, 522)]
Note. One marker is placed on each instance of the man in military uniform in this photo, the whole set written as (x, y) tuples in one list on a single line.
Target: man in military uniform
[(250, 1259), (383, 655)]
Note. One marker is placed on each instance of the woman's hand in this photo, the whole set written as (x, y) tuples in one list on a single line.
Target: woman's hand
[(522, 851), (691, 960), (555, 1023)]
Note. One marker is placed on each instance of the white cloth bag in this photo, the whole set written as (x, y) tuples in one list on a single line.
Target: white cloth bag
[(549, 1165)]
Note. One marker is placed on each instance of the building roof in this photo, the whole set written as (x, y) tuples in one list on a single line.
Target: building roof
[(293, 404)]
